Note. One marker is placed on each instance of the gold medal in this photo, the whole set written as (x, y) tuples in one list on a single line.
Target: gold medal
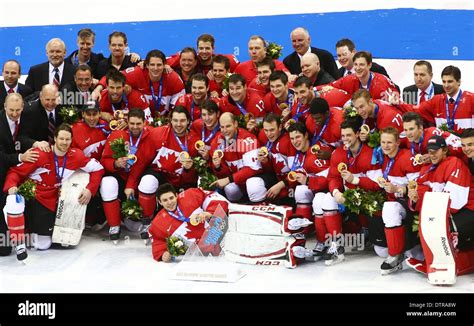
[(419, 158), (183, 156), (291, 121), (132, 157), (263, 151), (194, 221), (341, 167), (248, 117), (199, 144), (113, 124), (118, 114), (365, 128), (412, 185), (218, 154), (381, 181), (315, 149), (291, 176), (283, 106)]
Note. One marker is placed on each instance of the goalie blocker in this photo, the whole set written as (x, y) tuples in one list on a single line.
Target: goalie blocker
[(438, 235)]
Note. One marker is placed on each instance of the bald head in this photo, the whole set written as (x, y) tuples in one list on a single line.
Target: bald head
[(56, 51), (310, 65), (300, 40), (49, 97), (229, 125)]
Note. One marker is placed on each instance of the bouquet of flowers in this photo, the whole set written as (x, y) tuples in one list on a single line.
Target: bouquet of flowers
[(225, 83), (444, 127), (416, 223), (119, 148), (160, 120), (132, 210), (373, 139), (70, 114), (205, 176), (27, 189), (359, 201), (274, 50), (350, 111), (373, 202), (176, 246)]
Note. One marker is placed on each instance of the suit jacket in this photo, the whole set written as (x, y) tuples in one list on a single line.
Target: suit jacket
[(22, 89), (323, 78), (293, 63), (39, 76), (375, 68), (6, 142), (93, 61), (36, 123), (410, 93)]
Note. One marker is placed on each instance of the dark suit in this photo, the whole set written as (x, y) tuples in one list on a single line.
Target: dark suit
[(36, 122), (323, 78), (93, 61), (293, 62), (375, 68), (39, 76), (106, 64), (23, 90), (410, 93)]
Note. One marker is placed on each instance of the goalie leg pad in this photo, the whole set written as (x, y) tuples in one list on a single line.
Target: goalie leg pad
[(263, 220), (109, 188), (435, 238), (259, 250)]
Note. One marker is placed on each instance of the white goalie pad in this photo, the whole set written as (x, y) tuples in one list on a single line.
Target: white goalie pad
[(264, 250), (70, 214), (434, 226), (258, 220)]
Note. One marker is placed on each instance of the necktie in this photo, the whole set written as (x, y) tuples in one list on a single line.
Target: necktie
[(349, 72), (56, 80), (15, 132), (422, 97), (11, 90), (51, 128)]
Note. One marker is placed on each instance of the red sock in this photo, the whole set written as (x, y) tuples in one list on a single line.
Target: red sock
[(395, 240), (333, 220), (148, 203), (321, 229), (16, 227), (112, 212)]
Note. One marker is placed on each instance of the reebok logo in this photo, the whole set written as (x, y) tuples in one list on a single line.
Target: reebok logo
[(37, 309)]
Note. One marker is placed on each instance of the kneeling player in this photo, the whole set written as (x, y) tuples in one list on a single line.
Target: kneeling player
[(41, 211), (177, 216), (447, 174)]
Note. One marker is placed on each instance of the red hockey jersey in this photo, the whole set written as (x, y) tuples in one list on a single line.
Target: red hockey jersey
[(90, 140), (379, 88), (44, 174), (248, 69), (240, 156)]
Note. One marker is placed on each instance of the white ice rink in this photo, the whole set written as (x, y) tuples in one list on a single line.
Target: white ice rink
[(98, 266)]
